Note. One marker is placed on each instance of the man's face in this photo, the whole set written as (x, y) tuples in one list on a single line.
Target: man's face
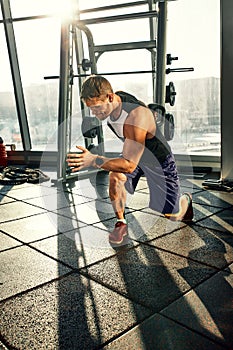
[(101, 108)]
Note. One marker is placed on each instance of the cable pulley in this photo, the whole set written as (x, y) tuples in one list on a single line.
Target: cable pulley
[(170, 94), (169, 127), (90, 127)]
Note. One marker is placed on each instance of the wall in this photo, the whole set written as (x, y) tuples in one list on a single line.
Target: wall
[(226, 88)]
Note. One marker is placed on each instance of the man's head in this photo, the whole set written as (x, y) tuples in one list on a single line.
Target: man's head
[(97, 93), (95, 86)]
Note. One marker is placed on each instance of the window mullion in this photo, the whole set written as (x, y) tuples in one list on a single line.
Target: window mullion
[(17, 83)]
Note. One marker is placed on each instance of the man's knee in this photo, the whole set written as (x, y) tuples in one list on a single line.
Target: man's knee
[(117, 178)]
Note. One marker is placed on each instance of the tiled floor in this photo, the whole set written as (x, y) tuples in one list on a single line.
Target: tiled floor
[(62, 286)]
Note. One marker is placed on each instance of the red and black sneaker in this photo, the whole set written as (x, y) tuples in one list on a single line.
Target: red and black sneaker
[(119, 232), (188, 216)]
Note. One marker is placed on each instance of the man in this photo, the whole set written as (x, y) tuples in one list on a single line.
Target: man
[(145, 152)]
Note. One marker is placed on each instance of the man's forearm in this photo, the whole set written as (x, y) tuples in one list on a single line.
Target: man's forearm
[(120, 165)]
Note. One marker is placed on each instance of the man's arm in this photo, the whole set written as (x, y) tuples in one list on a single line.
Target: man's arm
[(79, 161), (136, 129)]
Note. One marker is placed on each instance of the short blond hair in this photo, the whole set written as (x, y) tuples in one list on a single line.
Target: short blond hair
[(95, 86)]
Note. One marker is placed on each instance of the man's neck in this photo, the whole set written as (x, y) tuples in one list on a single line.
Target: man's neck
[(117, 110)]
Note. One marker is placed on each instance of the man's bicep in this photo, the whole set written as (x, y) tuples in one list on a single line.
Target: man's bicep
[(135, 136)]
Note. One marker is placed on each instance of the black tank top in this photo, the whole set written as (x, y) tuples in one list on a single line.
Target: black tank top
[(157, 145)]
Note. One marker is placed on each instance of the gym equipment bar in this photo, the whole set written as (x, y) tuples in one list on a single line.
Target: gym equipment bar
[(159, 93), (128, 16), (126, 46), (108, 73), (114, 7), (179, 70)]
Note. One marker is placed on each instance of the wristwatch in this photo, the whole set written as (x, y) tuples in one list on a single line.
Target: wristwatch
[(99, 161)]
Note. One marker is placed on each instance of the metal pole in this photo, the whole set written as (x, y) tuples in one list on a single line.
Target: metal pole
[(226, 90), (91, 48), (161, 54), (63, 99), (90, 41), (153, 22)]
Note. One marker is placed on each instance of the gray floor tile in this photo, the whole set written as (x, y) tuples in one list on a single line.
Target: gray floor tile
[(160, 333), (200, 211), (158, 227), (138, 201), (17, 210), (149, 276), (57, 200), (89, 188), (7, 242), (39, 226), (193, 190), (191, 182), (214, 199), (185, 184), (6, 188), (197, 182), (30, 191), (72, 313), (207, 309), (201, 244), (101, 178), (78, 248), (142, 226), (4, 199), (142, 184), (225, 197), (222, 221), (23, 268), (90, 212)]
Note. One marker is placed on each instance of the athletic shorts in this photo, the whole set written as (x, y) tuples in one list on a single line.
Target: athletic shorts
[(163, 183)]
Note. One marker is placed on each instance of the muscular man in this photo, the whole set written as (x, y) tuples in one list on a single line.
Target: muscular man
[(145, 152)]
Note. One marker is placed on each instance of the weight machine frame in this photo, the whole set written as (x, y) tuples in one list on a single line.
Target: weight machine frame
[(71, 46)]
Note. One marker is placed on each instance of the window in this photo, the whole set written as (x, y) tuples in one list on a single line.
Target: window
[(194, 36), (38, 47), (27, 8), (9, 126)]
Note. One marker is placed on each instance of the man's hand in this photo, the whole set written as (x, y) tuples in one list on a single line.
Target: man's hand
[(78, 161)]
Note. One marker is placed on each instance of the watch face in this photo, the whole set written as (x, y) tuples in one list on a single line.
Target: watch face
[(99, 161)]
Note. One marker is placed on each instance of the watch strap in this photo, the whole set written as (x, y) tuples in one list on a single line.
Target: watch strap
[(99, 161)]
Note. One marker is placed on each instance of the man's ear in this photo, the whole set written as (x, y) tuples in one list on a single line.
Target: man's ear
[(110, 97)]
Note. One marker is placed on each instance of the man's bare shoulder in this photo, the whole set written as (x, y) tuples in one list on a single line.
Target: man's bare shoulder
[(140, 116)]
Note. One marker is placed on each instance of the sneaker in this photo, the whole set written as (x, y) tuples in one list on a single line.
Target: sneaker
[(188, 216), (118, 234)]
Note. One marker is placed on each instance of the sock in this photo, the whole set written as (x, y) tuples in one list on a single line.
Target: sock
[(122, 220)]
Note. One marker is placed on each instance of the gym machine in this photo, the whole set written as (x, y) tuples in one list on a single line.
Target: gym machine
[(72, 49)]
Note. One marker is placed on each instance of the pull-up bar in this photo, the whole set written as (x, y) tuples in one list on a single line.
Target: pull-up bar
[(128, 16)]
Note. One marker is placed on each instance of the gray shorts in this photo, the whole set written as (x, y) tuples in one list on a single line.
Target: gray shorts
[(163, 183)]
